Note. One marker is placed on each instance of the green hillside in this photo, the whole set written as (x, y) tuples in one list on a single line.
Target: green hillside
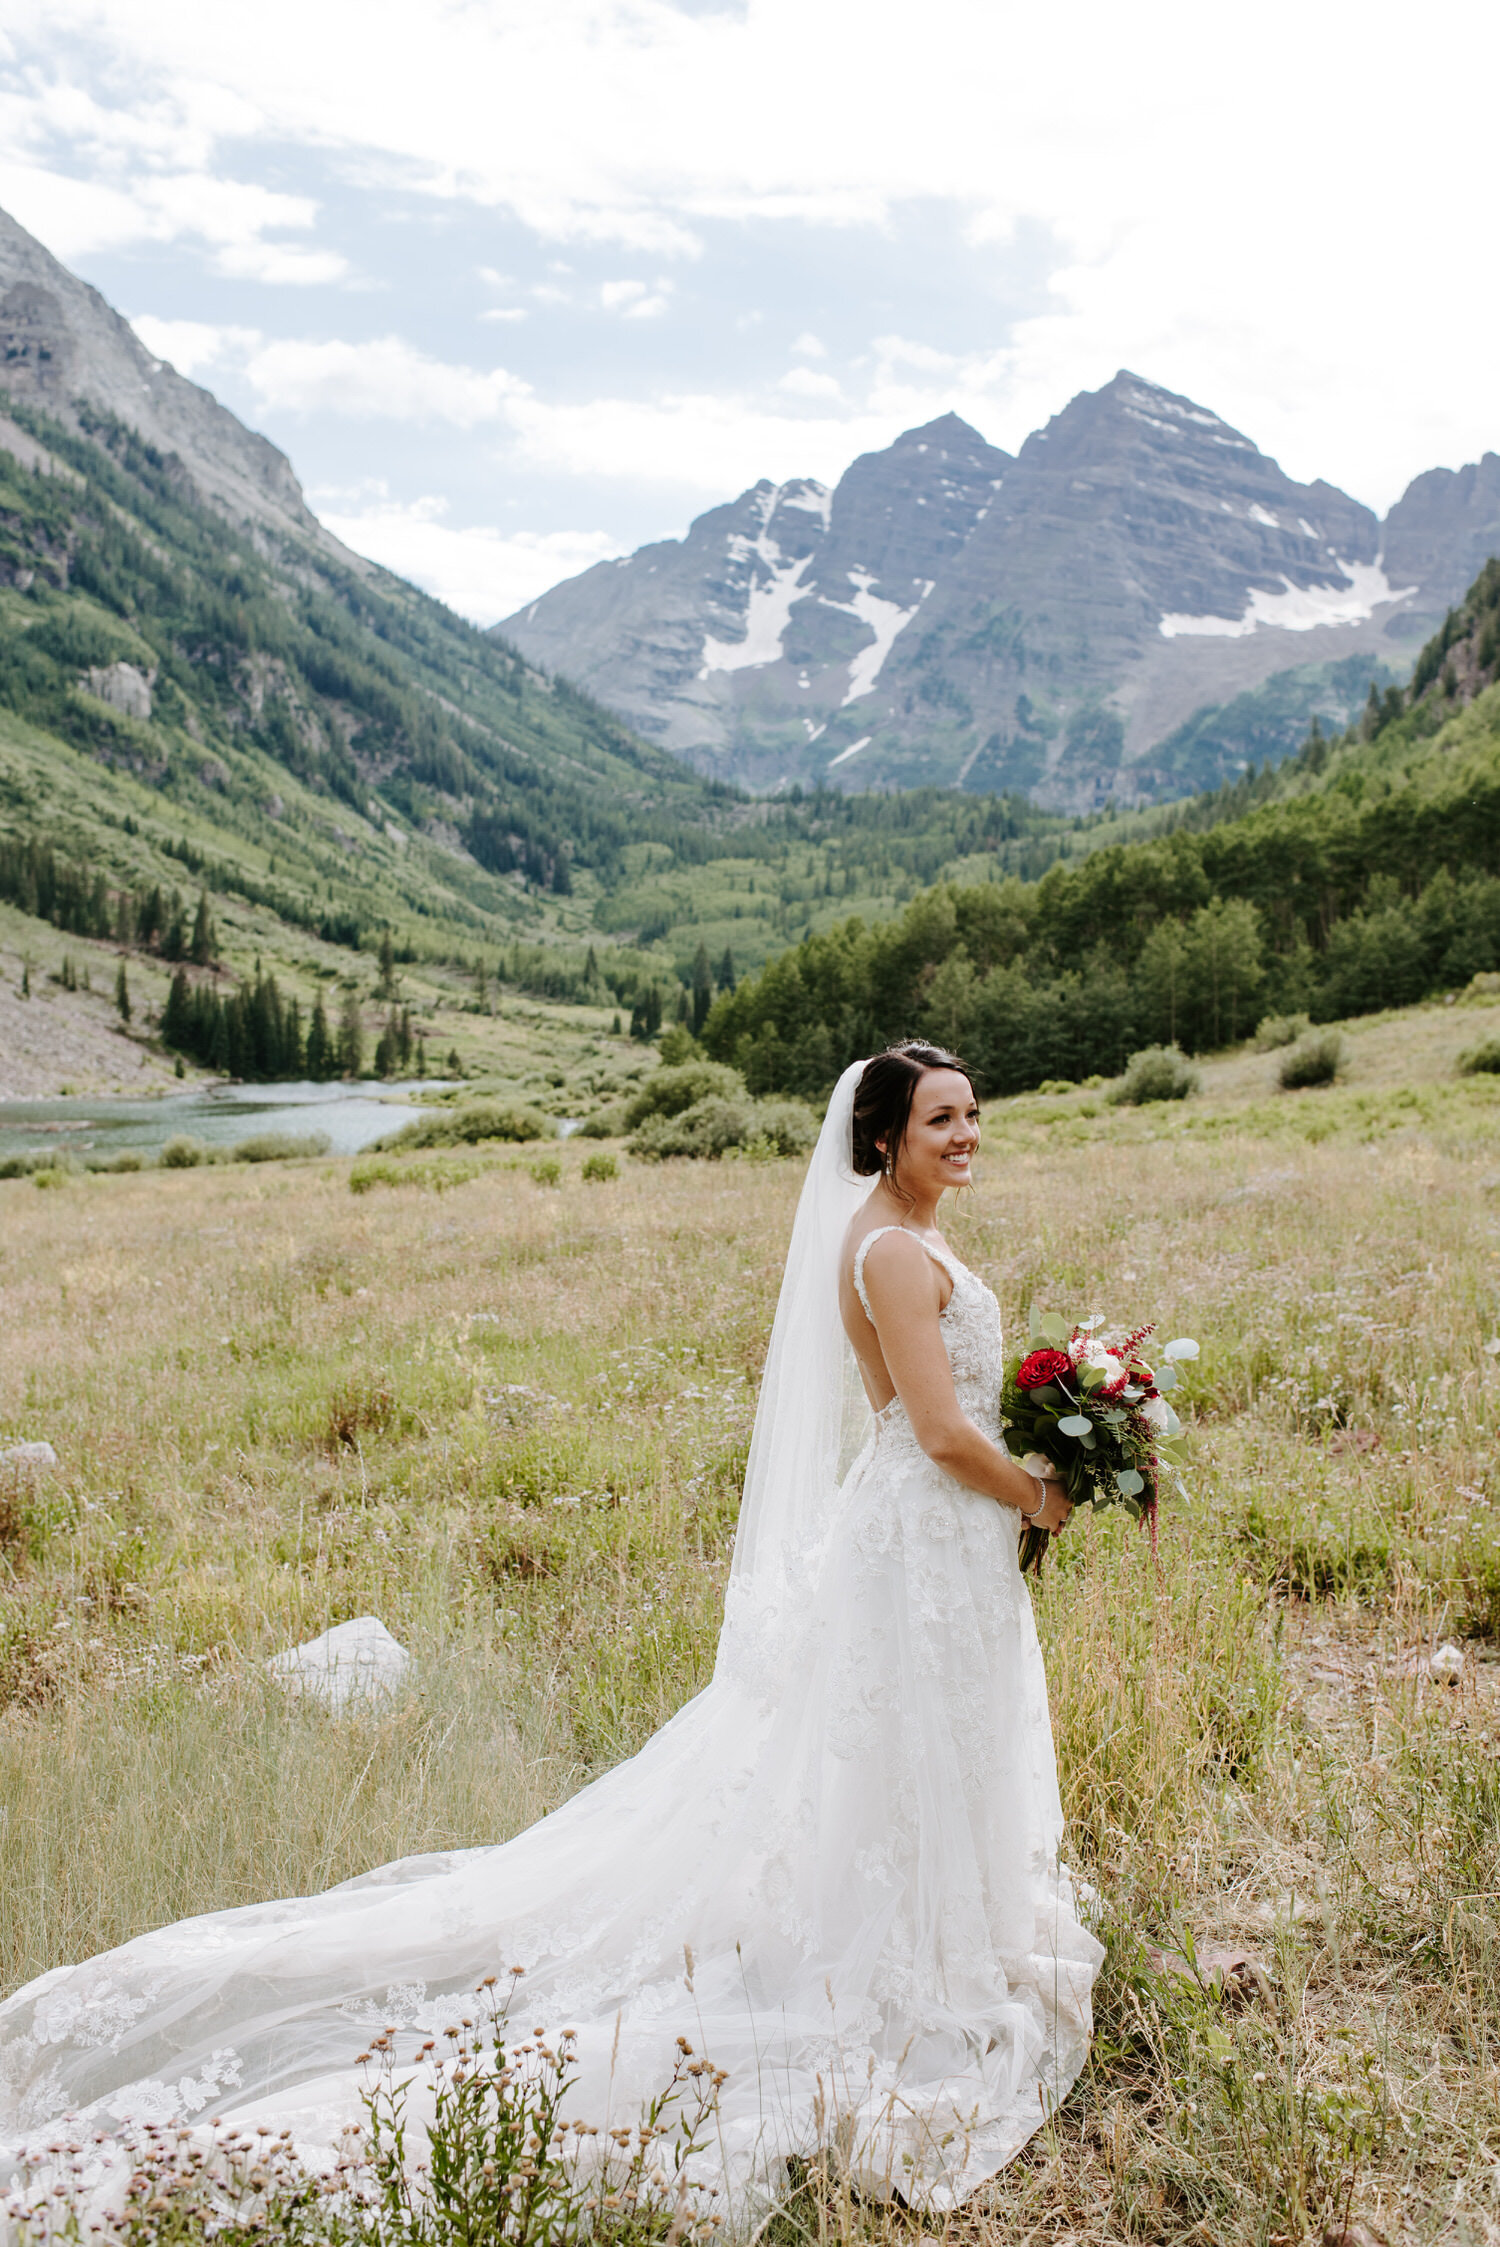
[(337, 760), (1360, 875)]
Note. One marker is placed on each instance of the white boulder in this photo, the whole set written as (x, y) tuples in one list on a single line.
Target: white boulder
[(355, 1663), (1447, 1664), (29, 1458)]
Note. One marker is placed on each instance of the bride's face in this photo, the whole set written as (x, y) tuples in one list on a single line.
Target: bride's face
[(942, 1133)]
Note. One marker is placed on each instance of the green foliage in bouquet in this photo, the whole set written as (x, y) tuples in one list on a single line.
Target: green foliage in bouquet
[(1097, 1412)]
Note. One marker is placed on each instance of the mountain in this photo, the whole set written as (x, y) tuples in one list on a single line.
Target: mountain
[(62, 349), (735, 646), (1358, 876), (1063, 624)]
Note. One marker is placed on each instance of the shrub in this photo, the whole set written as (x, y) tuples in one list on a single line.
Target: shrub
[(280, 1146), (600, 1169), (181, 1154), (129, 1158), (677, 1045), (609, 1123), (1056, 1084), (22, 1166), (1279, 1030), (712, 1127), (1158, 1072), (467, 1126), (547, 1172), (378, 1170), (669, 1092), (1313, 1060), (1481, 1060)]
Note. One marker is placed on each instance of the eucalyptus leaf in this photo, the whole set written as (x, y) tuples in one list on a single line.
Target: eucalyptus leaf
[(1129, 1482), (1035, 1317), (1091, 1377), (1183, 1347), (1053, 1329), (1166, 1379), (1075, 1425)]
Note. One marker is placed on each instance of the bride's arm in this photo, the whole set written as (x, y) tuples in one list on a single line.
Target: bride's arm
[(905, 1291)]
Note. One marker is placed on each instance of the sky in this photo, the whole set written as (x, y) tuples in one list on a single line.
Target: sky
[(521, 284)]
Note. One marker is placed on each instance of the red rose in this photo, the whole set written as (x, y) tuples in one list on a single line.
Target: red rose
[(1042, 1367)]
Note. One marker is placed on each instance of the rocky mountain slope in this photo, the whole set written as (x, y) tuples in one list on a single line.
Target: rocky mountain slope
[(1058, 624)]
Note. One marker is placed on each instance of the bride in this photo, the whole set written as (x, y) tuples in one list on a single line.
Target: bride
[(835, 1871)]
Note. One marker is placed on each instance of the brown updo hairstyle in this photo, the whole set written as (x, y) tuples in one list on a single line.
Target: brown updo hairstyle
[(883, 1098)]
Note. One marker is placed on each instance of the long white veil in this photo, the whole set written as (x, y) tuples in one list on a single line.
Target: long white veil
[(810, 1404)]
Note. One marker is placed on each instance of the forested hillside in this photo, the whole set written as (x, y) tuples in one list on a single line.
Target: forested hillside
[(1366, 880), (190, 706)]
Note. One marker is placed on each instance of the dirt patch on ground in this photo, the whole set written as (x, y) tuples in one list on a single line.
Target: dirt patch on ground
[(74, 1041)]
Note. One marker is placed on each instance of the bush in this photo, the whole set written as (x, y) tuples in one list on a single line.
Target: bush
[(1158, 1072), (22, 1166), (547, 1172), (1481, 1060), (609, 1123), (712, 1127), (1279, 1030), (466, 1127), (669, 1092), (379, 1170), (600, 1169), (280, 1146), (1313, 1060), (181, 1154), (677, 1045), (129, 1158)]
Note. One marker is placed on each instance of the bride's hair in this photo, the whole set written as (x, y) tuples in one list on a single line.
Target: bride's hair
[(883, 1097)]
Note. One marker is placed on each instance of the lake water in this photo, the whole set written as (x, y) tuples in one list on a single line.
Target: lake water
[(350, 1115)]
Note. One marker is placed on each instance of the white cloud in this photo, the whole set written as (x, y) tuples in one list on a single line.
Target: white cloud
[(481, 572), (810, 346), (193, 347), (803, 382), (1206, 226), (387, 378), (635, 300)]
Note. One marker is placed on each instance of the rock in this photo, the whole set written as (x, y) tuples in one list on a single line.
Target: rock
[(1446, 1666), (355, 1662), (1355, 2234), (1238, 1973), (29, 1458), (122, 686)]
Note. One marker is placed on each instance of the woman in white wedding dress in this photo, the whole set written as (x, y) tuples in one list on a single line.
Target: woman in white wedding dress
[(835, 1871)]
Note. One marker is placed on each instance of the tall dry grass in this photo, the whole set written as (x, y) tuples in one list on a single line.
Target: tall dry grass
[(510, 1419)]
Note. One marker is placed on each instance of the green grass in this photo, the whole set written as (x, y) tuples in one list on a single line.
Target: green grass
[(511, 1420)]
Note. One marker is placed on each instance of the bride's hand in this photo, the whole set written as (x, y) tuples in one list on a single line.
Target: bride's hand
[(1055, 1514)]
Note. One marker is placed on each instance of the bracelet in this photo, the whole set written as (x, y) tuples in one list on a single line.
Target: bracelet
[(1041, 1500)]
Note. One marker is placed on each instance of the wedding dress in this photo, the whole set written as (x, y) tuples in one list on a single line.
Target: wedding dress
[(835, 1871)]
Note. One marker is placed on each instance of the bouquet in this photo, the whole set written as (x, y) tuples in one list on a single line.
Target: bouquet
[(1095, 1411)]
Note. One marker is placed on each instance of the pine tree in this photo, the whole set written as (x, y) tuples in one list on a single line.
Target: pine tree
[(122, 993), (177, 1014), (614, 1028), (205, 941), (320, 1060), (26, 979), (351, 1051), (387, 964), (703, 988), (385, 1053), (724, 976), (421, 1057), (403, 1037)]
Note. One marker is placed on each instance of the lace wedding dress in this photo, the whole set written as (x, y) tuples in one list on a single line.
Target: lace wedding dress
[(835, 1871)]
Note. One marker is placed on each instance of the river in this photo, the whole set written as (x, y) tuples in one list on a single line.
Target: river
[(349, 1116)]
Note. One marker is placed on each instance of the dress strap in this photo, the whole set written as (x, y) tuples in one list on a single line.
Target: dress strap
[(943, 1257)]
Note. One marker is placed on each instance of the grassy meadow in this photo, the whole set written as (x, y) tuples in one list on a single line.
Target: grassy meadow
[(510, 1416)]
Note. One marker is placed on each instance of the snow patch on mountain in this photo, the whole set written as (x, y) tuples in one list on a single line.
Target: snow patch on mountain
[(885, 619), (767, 612), (1301, 608), (853, 750)]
